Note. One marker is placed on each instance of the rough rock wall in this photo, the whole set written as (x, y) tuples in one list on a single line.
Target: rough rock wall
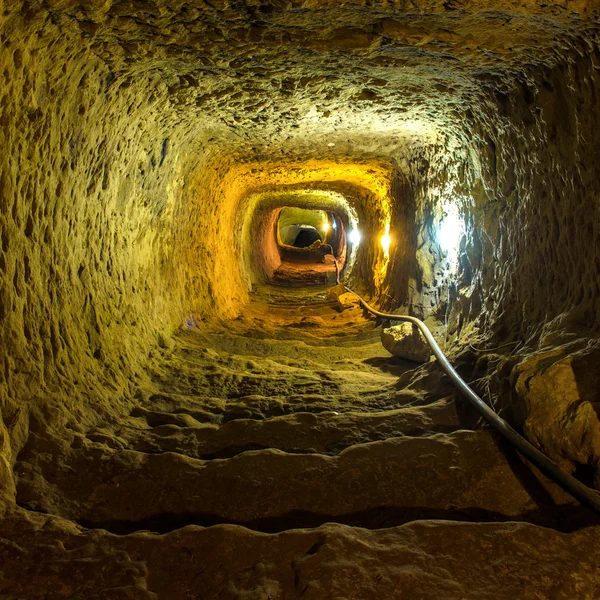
[(522, 177), (84, 227), (548, 228), (532, 209), (425, 191), (531, 255)]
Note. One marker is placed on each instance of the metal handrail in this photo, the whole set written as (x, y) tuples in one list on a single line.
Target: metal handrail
[(587, 496)]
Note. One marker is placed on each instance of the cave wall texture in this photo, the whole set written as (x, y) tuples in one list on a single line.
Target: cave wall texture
[(133, 134)]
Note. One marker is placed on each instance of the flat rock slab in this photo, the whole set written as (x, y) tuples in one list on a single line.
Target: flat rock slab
[(464, 470), (47, 557), (300, 367)]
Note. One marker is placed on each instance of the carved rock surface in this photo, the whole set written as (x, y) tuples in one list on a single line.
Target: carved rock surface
[(426, 559), (269, 459)]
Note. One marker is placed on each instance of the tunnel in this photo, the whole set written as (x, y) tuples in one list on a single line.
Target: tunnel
[(194, 402)]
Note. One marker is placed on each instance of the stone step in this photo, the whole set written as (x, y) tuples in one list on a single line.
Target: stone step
[(196, 371), (309, 347), (237, 376), (323, 432), (428, 560), (464, 474), (177, 409)]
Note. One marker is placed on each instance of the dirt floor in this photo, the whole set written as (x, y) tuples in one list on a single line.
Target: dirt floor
[(298, 272)]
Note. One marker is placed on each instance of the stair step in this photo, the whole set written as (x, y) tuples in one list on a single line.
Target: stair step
[(325, 432), (260, 343), (461, 471), (428, 560), (160, 408), (163, 409), (237, 378), (386, 382)]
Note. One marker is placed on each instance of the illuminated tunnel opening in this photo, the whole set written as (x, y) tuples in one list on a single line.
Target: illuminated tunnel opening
[(311, 244)]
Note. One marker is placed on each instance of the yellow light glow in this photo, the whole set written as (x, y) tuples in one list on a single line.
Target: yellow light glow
[(383, 262), (325, 227), (385, 242)]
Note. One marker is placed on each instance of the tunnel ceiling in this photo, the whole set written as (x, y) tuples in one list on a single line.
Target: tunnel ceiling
[(296, 71)]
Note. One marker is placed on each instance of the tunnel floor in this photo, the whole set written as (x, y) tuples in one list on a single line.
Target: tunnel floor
[(286, 454), (301, 274)]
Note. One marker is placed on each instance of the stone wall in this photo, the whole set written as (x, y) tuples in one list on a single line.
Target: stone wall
[(85, 225)]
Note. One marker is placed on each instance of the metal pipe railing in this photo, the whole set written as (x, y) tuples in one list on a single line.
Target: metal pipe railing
[(585, 495)]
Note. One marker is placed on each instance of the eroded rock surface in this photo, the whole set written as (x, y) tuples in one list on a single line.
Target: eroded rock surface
[(284, 474), (426, 559)]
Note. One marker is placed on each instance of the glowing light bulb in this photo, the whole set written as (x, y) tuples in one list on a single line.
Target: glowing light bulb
[(325, 227), (449, 233), (354, 237), (385, 242)]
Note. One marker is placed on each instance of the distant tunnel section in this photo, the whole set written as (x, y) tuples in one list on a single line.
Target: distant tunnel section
[(311, 244), (301, 238)]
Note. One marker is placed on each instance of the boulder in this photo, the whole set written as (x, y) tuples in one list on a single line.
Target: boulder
[(347, 300), (406, 341), (556, 403), (335, 291)]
